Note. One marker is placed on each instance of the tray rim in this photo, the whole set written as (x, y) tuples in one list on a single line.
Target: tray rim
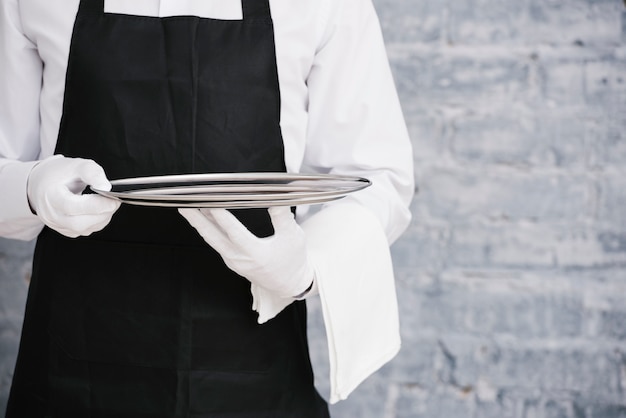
[(236, 177), (231, 204)]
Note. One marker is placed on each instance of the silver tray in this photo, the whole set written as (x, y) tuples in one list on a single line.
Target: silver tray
[(233, 190)]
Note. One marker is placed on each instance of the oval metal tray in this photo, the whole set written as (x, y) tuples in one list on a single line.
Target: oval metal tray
[(233, 190)]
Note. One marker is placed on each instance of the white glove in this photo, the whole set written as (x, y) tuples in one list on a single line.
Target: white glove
[(54, 193), (278, 263)]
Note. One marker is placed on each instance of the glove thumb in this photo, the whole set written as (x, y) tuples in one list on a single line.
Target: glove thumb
[(93, 175)]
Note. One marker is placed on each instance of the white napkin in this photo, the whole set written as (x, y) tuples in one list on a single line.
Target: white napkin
[(355, 280)]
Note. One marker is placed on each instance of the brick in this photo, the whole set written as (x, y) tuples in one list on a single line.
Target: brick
[(414, 364), (447, 310), (367, 401), (608, 411), (15, 267), (563, 82), (551, 408), (520, 136), (589, 248), (13, 287), (507, 246), (587, 22), (612, 325), (605, 139), (504, 406), (486, 22), (426, 129), (554, 367), (613, 241), (318, 346), (460, 78), (472, 195), (605, 83), (536, 246), (464, 307), (422, 247), (444, 403), (9, 343), (16, 249), (407, 21), (612, 201), (560, 409)]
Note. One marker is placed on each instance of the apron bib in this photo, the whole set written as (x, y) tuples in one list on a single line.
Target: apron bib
[(143, 319)]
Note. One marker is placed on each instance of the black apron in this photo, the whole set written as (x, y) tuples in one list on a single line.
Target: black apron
[(143, 319)]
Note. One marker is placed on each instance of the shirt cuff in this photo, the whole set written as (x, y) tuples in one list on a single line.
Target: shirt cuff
[(17, 221), (268, 305), (310, 291)]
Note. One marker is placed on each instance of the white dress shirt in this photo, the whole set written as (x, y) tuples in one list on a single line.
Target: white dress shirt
[(339, 114)]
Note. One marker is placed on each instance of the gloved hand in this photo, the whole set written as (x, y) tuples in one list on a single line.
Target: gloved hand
[(54, 193), (278, 263)]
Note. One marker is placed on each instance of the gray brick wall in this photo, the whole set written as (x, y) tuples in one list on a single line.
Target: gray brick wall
[(512, 276), (15, 267)]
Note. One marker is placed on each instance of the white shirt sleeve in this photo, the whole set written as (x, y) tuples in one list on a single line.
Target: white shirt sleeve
[(20, 86), (355, 127)]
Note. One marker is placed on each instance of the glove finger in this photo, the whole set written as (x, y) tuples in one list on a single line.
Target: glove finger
[(236, 231), (68, 203), (92, 174), (282, 217), (208, 229), (207, 214), (83, 225), (193, 216)]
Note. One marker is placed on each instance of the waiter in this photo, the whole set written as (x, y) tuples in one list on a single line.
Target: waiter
[(152, 312)]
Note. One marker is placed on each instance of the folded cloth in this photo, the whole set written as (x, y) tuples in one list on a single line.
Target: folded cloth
[(354, 277)]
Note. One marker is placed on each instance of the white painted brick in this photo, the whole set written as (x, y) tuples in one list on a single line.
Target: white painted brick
[(563, 22), (517, 135), (486, 21), (410, 21), (612, 201), (427, 130), (559, 366), (605, 140), (433, 78), (535, 246), (422, 247), (605, 81), (444, 403), (563, 83), (508, 246), (473, 195)]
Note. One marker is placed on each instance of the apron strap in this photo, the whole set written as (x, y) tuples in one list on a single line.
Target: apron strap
[(93, 7), (256, 9)]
